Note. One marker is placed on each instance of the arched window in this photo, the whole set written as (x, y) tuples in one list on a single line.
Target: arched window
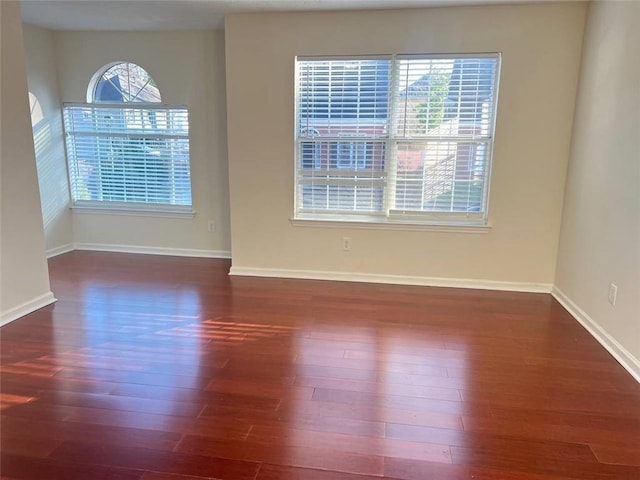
[(125, 149), (124, 82)]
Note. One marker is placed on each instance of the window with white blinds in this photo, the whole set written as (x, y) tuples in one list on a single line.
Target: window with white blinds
[(403, 138), (131, 155)]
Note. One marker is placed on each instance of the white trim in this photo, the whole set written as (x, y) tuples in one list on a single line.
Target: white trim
[(26, 308), (55, 251), (393, 279), (125, 105), (178, 252), (132, 212), (621, 354), (380, 224)]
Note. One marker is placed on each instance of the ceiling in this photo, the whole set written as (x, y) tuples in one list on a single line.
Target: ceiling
[(193, 14)]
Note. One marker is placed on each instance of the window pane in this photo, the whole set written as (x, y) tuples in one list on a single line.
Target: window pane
[(344, 97), (126, 82), (341, 198), (133, 155), (332, 155), (446, 106), (342, 111), (440, 176), (445, 96)]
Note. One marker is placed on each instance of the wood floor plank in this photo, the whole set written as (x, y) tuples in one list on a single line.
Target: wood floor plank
[(291, 455), (169, 476), (280, 472), (383, 388), (27, 445), (626, 452), (347, 426), (136, 377), (16, 428), (543, 461), (259, 389), (29, 468), (123, 403), (165, 368), (383, 447), (391, 399), (156, 460), (431, 413), (587, 429), (421, 470)]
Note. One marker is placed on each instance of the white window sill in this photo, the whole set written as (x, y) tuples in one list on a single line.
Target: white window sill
[(132, 211), (386, 224)]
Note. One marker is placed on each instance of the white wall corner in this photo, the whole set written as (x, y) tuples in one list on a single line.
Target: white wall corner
[(621, 354), (26, 308), (393, 279), (178, 252)]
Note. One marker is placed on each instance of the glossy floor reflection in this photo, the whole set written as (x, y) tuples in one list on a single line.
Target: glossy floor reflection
[(164, 368)]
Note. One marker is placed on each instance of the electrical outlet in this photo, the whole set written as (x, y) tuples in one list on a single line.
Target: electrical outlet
[(212, 226), (346, 243), (613, 293)]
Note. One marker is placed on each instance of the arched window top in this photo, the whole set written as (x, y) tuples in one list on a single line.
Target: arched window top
[(123, 82)]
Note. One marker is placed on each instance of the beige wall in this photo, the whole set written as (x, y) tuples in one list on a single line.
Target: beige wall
[(188, 67), (541, 48), (24, 277), (46, 120), (600, 237)]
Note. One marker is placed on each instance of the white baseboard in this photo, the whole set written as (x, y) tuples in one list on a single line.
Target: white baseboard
[(178, 252), (53, 252), (393, 279), (621, 354), (27, 307)]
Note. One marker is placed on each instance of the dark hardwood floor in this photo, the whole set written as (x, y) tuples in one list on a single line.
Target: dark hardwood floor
[(164, 368)]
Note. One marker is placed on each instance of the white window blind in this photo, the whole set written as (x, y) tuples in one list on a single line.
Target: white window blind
[(342, 123), (129, 156), (406, 137)]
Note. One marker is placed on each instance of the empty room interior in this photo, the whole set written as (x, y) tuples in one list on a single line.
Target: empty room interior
[(328, 240)]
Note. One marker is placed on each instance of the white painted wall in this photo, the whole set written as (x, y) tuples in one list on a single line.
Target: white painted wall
[(600, 236), (188, 67), (24, 276), (46, 120), (541, 47)]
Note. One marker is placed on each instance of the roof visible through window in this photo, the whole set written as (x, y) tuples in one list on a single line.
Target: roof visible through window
[(126, 82)]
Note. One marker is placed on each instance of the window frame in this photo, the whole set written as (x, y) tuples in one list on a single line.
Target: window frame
[(394, 217), (114, 206)]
